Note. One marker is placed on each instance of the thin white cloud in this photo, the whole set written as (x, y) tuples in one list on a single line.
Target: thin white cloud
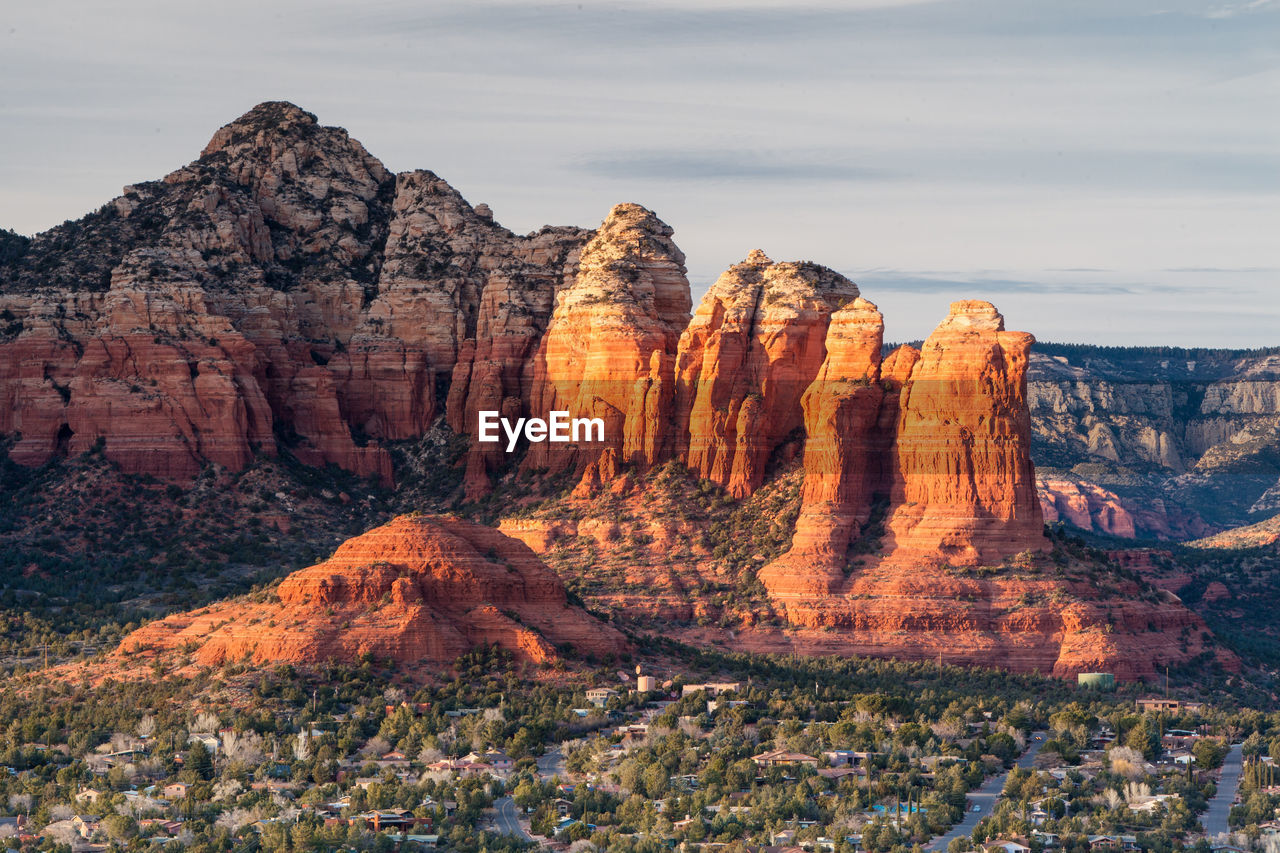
[(1231, 10)]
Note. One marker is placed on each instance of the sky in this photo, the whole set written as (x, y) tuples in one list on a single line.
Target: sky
[(1104, 171)]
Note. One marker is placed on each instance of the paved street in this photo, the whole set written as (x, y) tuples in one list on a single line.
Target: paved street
[(985, 797), (551, 763), (1215, 817), (507, 819)]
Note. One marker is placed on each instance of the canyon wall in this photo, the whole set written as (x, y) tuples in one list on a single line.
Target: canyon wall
[(1178, 443)]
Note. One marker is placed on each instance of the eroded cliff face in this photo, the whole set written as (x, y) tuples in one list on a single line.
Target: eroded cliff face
[(963, 484), (849, 422), (944, 438), (1022, 618), (284, 289), (609, 351), (419, 590), (751, 351), (1185, 441)]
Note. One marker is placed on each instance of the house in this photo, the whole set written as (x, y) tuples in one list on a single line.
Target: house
[(462, 768), (400, 819), (563, 806), (1113, 842), (1156, 704), (210, 742), (1048, 840), (847, 757), (161, 825), (86, 824), (89, 795), (600, 696), (498, 759), (932, 762), (175, 790), (838, 773), (1269, 828), (713, 688), (784, 758), (1151, 803), (1005, 845), (783, 837)]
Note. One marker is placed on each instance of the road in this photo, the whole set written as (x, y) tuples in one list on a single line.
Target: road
[(985, 797), (507, 819), (1215, 817), (551, 763)]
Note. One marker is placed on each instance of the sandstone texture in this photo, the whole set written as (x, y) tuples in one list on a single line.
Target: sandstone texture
[(284, 291), (1086, 506), (609, 350), (417, 590), (945, 439), (751, 351), (964, 485)]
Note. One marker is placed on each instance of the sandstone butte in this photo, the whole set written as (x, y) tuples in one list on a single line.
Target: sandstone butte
[(944, 434), (418, 590), (285, 291)]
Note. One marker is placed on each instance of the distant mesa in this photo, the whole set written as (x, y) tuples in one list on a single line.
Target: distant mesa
[(417, 590)]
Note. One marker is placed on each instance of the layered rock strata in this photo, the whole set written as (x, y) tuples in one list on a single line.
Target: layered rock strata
[(284, 291), (752, 349), (417, 590), (610, 347)]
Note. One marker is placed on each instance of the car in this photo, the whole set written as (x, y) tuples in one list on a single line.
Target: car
[(976, 808)]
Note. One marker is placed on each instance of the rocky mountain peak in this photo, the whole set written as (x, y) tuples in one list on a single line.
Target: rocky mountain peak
[(974, 315), (275, 117), (279, 142)]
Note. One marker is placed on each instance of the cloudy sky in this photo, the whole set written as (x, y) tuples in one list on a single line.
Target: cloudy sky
[(1105, 171)]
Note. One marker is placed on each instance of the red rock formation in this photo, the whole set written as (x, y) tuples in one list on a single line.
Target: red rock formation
[(753, 347), (417, 590), (1030, 622), (283, 287), (1084, 505), (842, 411), (610, 349), (963, 485)]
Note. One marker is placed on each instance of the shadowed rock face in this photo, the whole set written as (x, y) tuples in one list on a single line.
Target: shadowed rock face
[(414, 591)]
